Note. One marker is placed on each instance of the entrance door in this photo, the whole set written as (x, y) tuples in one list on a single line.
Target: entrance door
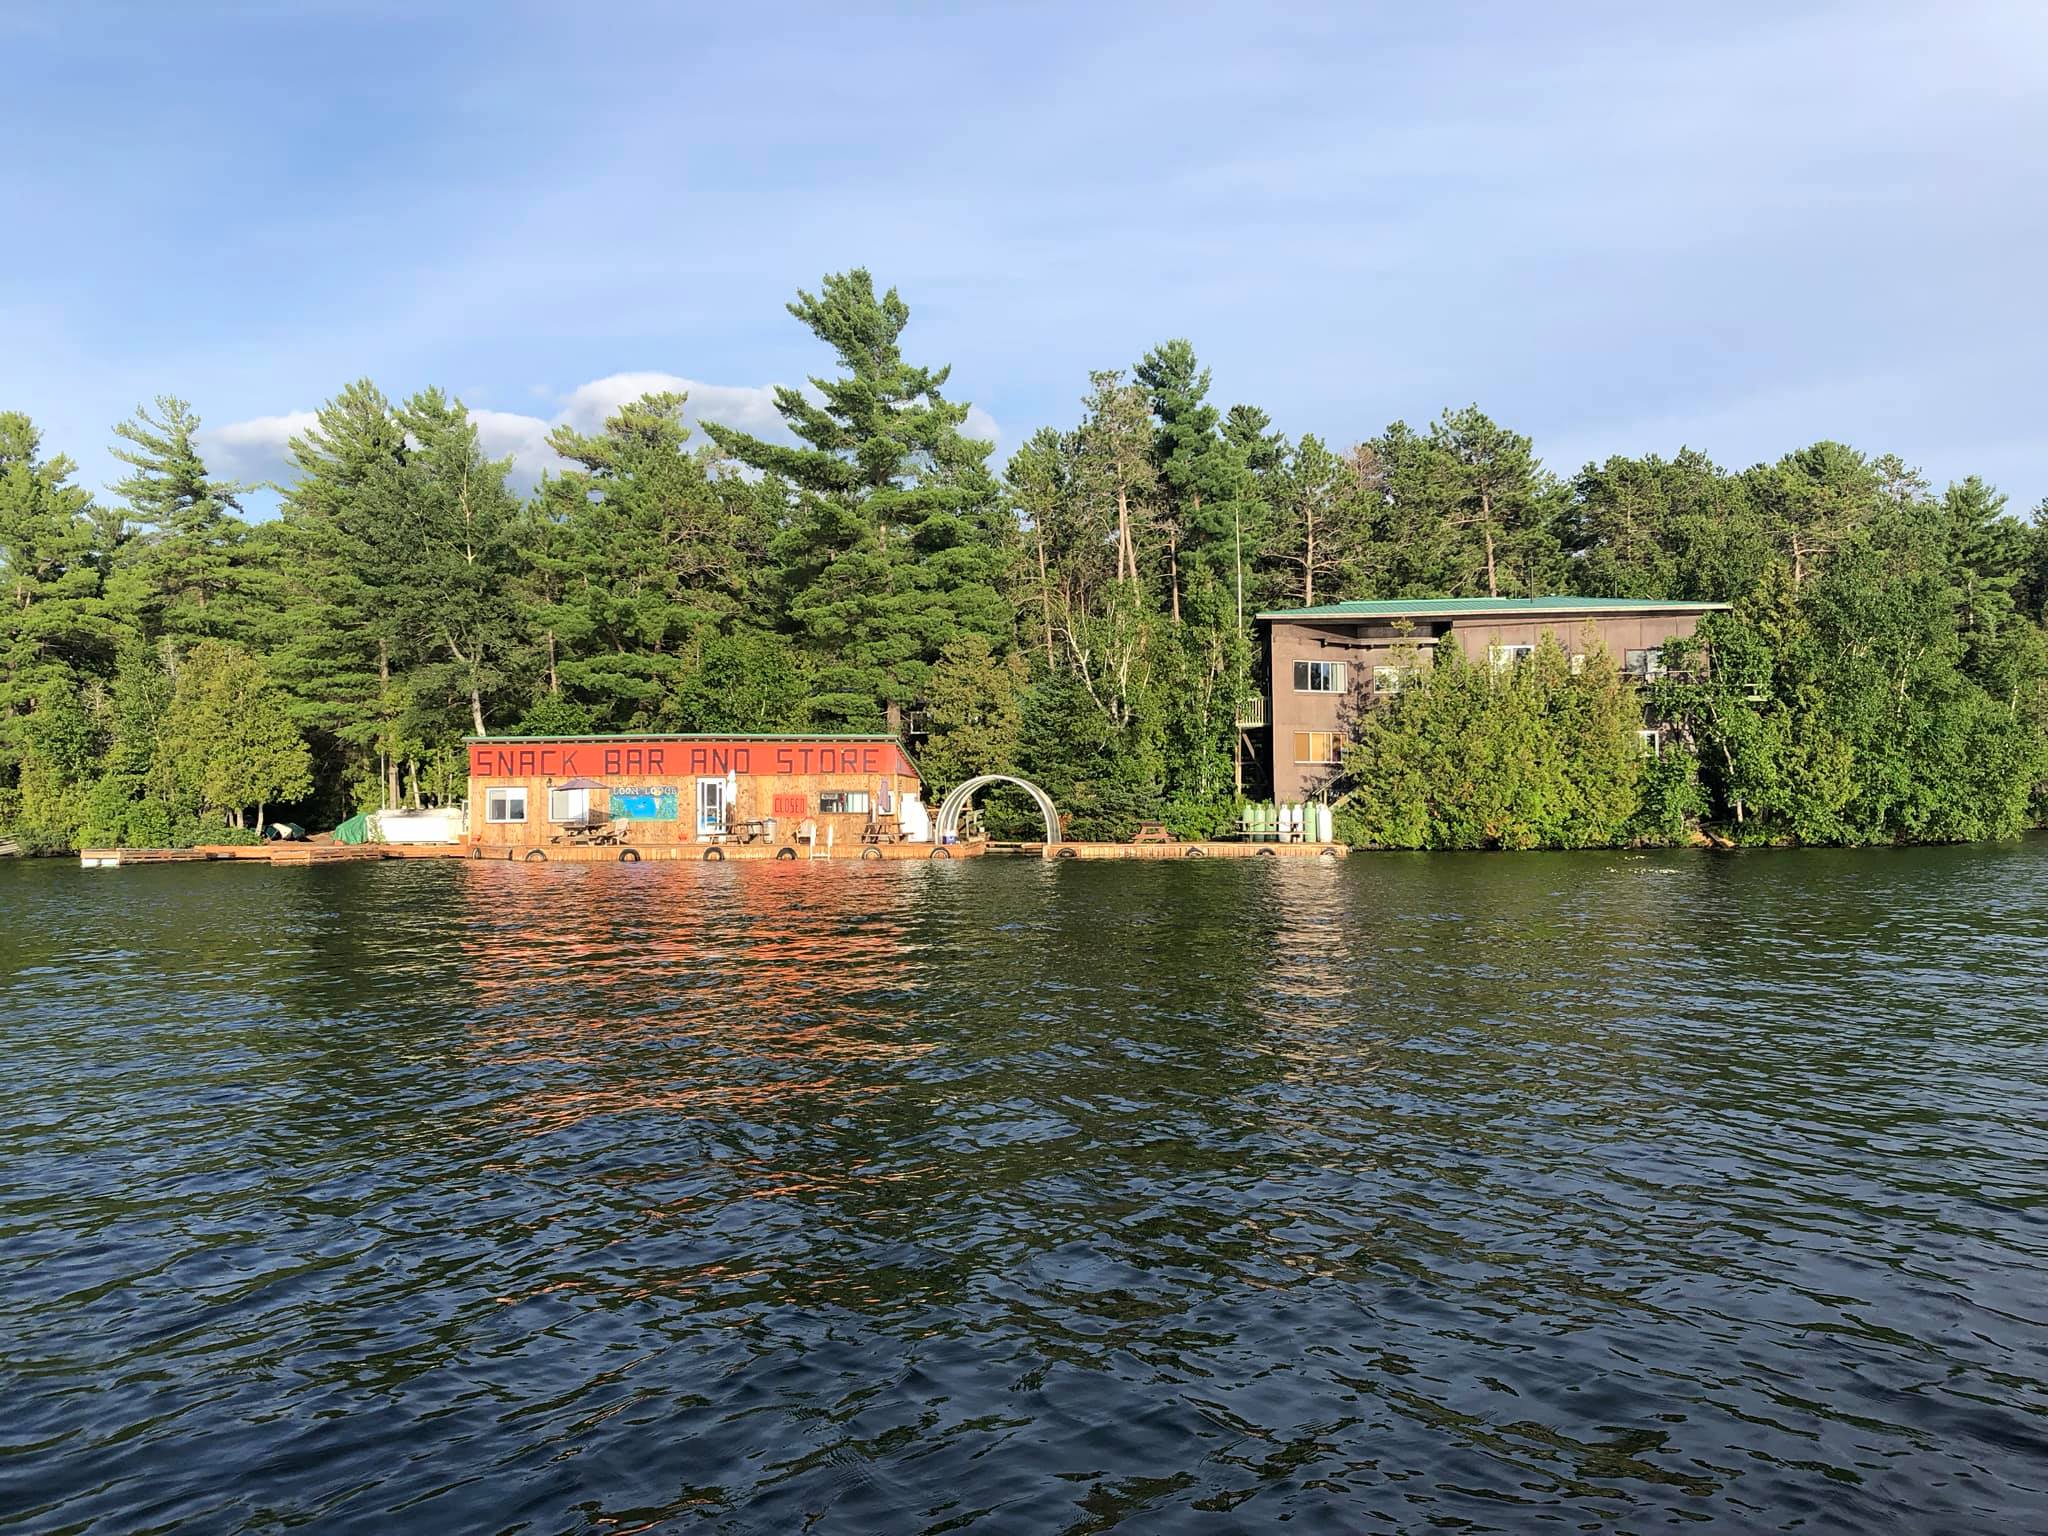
[(710, 805)]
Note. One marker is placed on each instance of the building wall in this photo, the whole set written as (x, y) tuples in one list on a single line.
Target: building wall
[(1365, 645), (764, 771)]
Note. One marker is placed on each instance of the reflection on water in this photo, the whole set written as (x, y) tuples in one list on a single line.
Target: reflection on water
[(1592, 1192)]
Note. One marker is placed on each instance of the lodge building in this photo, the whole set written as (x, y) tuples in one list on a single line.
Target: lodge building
[(1326, 662), (537, 793)]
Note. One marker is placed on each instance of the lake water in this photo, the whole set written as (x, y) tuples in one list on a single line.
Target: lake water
[(1594, 1192)]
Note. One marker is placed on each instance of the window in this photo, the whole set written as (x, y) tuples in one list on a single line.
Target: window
[(1645, 666), (1386, 680), (843, 802), (1505, 656), (505, 805), (1650, 743), (1578, 664), (1319, 677), (568, 805), (1317, 746)]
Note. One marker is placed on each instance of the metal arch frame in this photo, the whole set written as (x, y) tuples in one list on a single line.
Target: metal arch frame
[(947, 823)]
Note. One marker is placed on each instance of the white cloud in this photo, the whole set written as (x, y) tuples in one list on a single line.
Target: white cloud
[(983, 427), (256, 449), (522, 439)]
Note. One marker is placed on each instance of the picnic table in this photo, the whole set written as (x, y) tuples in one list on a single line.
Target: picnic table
[(1151, 832), (586, 831), (876, 832), (753, 829)]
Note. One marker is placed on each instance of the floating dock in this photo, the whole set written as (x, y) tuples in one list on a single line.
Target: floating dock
[(1188, 850), (695, 853), (571, 853)]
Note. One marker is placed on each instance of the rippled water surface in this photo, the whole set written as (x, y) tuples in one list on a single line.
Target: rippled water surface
[(1578, 1193)]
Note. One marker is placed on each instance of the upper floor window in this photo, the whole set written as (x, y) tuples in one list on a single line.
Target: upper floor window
[(1505, 656), (1319, 677), (1644, 665), (1386, 680)]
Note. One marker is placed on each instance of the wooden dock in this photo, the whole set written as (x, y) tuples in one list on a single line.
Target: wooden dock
[(568, 853), (265, 853), (1188, 850), (711, 853)]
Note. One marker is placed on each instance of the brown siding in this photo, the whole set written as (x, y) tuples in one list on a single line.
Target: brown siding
[(756, 798), (1365, 645)]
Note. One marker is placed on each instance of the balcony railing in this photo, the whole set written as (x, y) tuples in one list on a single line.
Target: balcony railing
[(1251, 714)]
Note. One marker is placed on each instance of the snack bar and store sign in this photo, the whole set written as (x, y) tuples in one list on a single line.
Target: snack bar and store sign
[(654, 759)]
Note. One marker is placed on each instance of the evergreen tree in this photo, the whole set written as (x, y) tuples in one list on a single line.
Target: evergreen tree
[(645, 557), (1320, 522), (230, 736), (1202, 480), (335, 558), (455, 552), (973, 716), (899, 539), (178, 574), (55, 625)]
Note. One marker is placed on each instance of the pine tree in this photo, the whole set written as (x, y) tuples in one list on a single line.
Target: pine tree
[(1201, 477), (180, 569), (455, 559), (56, 628), (1320, 518), (899, 539), (643, 557), (335, 561)]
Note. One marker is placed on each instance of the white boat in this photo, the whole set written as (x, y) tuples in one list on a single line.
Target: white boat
[(440, 824)]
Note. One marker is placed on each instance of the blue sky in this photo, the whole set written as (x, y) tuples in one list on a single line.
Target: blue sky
[(1620, 228)]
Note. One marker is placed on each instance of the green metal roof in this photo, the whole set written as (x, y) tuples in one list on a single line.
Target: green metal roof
[(1480, 607)]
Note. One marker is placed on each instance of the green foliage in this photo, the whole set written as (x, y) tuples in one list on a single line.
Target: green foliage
[(895, 538), (178, 574), (1528, 756), (745, 682), (229, 735), (168, 667), (974, 713)]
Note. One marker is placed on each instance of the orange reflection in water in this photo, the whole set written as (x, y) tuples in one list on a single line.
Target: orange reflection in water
[(607, 977)]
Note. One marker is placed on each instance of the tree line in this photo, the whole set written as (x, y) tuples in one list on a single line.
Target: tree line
[(174, 670)]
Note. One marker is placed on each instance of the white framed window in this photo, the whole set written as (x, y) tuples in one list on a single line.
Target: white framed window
[(1386, 680), (1650, 743), (1646, 665), (504, 805), (1319, 677), (1505, 656), (844, 802), (1578, 664), (1318, 747), (568, 805)]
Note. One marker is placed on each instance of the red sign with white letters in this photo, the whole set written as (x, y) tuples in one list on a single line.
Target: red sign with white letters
[(651, 757)]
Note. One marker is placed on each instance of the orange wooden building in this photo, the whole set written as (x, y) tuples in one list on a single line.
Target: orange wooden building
[(541, 792)]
